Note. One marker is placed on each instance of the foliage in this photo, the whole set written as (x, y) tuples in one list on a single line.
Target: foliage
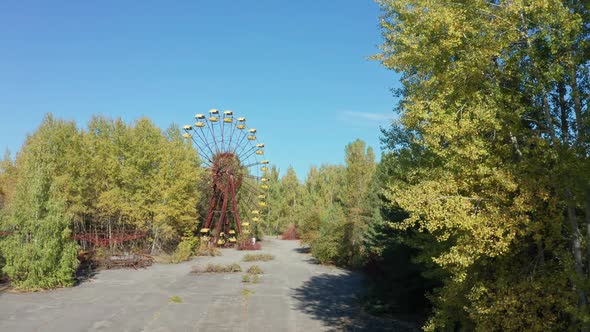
[(185, 249), (39, 252), (111, 177), (489, 157)]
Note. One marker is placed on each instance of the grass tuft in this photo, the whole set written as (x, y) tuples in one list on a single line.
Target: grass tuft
[(258, 258), (218, 268), (255, 269), (175, 299)]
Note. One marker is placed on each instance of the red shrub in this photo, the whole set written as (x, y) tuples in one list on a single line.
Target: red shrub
[(290, 233), (249, 246)]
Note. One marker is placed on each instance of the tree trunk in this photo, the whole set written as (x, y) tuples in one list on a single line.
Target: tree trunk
[(577, 107), (563, 115), (576, 247), (588, 228)]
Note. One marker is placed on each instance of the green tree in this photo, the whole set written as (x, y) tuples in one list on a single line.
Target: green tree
[(40, 252), (492, 138)]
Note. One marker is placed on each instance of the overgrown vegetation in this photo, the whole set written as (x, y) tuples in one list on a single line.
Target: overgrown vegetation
[(258, 258), (185, 249), (106, 179), (218, 268), (489, 158)]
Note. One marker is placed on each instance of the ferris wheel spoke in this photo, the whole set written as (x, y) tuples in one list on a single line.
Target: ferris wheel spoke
[(231, 136), (221, 137), (242, 135), (205, 158), (212, 128), (253, 151), (252, 188), (209, 156), (203, 152)]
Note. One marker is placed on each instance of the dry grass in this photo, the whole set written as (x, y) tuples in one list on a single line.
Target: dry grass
[(258, 258), (255, 269), (218, 268)]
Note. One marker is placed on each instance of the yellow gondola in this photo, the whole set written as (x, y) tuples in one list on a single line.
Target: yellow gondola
[(228, 113), (228, 120), (255, 212), (260, 145), (264, 169), (205, 230), (265, 162), (255, 219), (262, 204), (261, 196), (187, 135), (260, 152), (222, 234), (241, 119), (188, 127), (220, 242), (252, 138), (264, 179), (253, 131), (213, 119), (247, 231), (233, 240), (264, 186), (214, 111), (200, 116), (200, 124), (241, 126), (232, 232), (245, 224)]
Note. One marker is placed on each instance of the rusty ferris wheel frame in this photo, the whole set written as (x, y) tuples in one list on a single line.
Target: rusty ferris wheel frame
[(232, 155)]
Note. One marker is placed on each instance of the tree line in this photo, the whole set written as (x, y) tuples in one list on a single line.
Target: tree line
[(479, 210), (108, 178)]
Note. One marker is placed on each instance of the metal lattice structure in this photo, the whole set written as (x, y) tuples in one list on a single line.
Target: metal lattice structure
[(232, 154)]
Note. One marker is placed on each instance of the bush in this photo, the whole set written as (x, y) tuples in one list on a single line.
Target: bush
[(258, 258), (246, 278), (246, 245), (185, 249), (290, 233)]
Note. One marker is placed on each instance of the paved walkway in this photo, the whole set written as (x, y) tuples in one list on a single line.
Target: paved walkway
[(294, 294)]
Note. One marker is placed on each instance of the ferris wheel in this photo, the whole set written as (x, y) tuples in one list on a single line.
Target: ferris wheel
[(234, 160)]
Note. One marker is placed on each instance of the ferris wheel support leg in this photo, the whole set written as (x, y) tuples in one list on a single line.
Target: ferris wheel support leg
[(221, 218), (209, 219), (235, 208)]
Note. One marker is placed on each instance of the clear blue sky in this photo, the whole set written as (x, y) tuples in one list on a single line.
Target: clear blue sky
[(298, 70)]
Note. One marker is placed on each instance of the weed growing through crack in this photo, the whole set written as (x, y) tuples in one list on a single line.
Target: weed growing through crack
[(175, 300), (217, 268), (258, 258), (255, 269)]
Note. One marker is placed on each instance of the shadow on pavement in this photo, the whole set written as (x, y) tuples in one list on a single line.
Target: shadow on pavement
[(334, 300), (303, 250)]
